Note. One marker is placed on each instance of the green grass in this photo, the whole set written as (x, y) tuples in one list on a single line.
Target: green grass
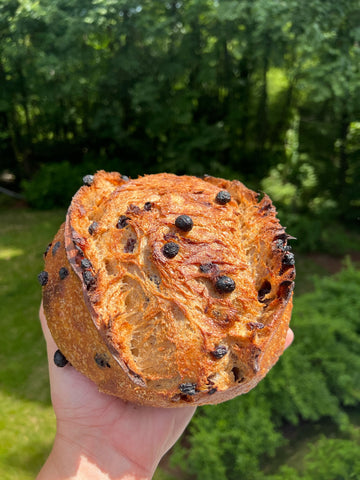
[(26, 418), (27, 423), (27, 430)]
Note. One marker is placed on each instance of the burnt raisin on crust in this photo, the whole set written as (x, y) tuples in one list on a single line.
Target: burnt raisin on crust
[(89, 278), (102, 360), (43, 278), (170, 249), (60, 359), (184, 223), (188, 388), (47, 249), (122, 222), (183, 286), (223, 197), (93, 228), (88, 180), (63, 273), (225, 284), (85, 263), (219, 351), (55, 248)]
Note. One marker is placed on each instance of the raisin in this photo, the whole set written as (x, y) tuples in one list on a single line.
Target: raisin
[(255, 325), (88, 180), (133, 209), (219, 351), (55, 248), (43, 278), (206, 267), (122, 222), (225, 284), (212, 391), (170, 249), (63, 273), (59, 359), (130, 245), (102, 360), (184, 223), (282, 246), (147, 206), (93, 227), (88, 278), (223, 197), (188, 388), (85, 263), (288, 259), (47, 249)]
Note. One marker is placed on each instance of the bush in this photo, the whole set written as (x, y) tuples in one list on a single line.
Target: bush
[(53, 185), (328, 459), (315, 379), (319, 233)]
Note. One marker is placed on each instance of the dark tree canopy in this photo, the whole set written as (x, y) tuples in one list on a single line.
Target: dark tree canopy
[(263, 90)]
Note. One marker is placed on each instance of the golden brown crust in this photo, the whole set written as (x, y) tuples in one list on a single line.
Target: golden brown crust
[(161, 311)]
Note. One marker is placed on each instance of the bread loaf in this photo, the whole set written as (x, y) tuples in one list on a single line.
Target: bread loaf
[(169, 290)]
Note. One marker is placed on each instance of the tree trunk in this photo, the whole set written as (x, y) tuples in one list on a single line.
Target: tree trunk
[(262, 113), (27, 148), (343, 161)]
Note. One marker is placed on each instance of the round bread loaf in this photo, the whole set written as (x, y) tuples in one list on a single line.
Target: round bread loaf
[(169, 290)]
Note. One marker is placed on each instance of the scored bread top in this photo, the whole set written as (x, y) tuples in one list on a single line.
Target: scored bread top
[(186, 281)]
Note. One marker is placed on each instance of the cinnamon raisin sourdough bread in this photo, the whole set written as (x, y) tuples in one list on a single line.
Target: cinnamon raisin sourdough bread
[(169, 290)]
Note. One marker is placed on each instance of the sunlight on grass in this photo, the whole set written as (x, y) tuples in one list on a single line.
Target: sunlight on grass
[(27, 430), (9, 253), (27, 423)]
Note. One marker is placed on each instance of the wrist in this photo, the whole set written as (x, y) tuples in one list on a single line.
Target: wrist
[(90, 458)]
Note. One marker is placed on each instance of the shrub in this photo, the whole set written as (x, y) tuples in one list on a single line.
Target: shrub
[(315, 379), (53, 185), (329, 458)]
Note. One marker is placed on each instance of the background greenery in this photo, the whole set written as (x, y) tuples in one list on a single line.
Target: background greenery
[(267, 91), (264, 90)]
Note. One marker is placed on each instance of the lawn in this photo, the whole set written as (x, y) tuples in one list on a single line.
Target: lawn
[(26, 417), (27, 423)]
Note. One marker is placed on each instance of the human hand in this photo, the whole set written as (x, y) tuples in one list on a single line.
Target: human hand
[(102, 437)]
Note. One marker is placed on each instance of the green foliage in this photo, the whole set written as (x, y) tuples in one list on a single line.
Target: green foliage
[(53, 185), (254, 89), (315, 379), (228, 441), (329, 458)]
